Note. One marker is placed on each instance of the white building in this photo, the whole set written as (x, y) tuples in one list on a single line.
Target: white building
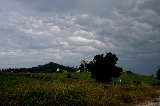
[(58, 70)]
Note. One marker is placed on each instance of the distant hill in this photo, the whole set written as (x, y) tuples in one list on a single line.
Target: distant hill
[(47, 68)]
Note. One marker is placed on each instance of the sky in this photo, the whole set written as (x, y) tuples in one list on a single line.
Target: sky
[(36, 32)]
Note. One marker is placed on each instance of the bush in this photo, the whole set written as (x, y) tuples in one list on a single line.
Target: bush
[(158, 74), (69, 76)]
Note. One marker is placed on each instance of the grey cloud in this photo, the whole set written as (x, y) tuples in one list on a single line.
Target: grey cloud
[(38, 31), (97, 7), (151, 5)]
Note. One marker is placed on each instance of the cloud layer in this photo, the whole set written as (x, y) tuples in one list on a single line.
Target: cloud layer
[(37, 31)]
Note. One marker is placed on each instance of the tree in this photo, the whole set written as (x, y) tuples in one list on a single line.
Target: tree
[(158, 74), (103, 68), (82, 66)]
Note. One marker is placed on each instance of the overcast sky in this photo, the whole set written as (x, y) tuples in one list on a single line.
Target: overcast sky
[(34, 32)]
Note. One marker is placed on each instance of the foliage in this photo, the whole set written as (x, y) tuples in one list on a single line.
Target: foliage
[(69, 76), (158, 74), (82, 65), (103, 68)]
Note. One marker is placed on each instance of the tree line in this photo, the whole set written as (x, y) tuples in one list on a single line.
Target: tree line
[(47, 68)]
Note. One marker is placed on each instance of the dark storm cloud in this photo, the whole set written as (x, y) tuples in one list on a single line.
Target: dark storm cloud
[(50, 5), (153, 5), (38, 31)]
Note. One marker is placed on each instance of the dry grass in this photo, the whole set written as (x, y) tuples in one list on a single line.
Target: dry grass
[(71, 92)]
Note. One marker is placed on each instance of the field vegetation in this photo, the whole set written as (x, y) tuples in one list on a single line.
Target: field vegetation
[(74, 89)]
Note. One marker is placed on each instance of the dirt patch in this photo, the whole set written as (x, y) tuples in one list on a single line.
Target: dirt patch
[(156, 102)]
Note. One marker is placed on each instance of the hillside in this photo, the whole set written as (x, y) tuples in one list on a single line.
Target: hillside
[(46, 68)]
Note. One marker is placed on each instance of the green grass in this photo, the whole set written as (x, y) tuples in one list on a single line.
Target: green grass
[(127, 78), (57, 90)]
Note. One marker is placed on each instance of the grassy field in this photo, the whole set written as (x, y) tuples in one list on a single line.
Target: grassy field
[(56, 89)]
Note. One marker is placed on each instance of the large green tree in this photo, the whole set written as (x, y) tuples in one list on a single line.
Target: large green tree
[(103, 68)]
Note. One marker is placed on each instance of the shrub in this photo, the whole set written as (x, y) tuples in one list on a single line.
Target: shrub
[(158, 74), (69, 76)]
